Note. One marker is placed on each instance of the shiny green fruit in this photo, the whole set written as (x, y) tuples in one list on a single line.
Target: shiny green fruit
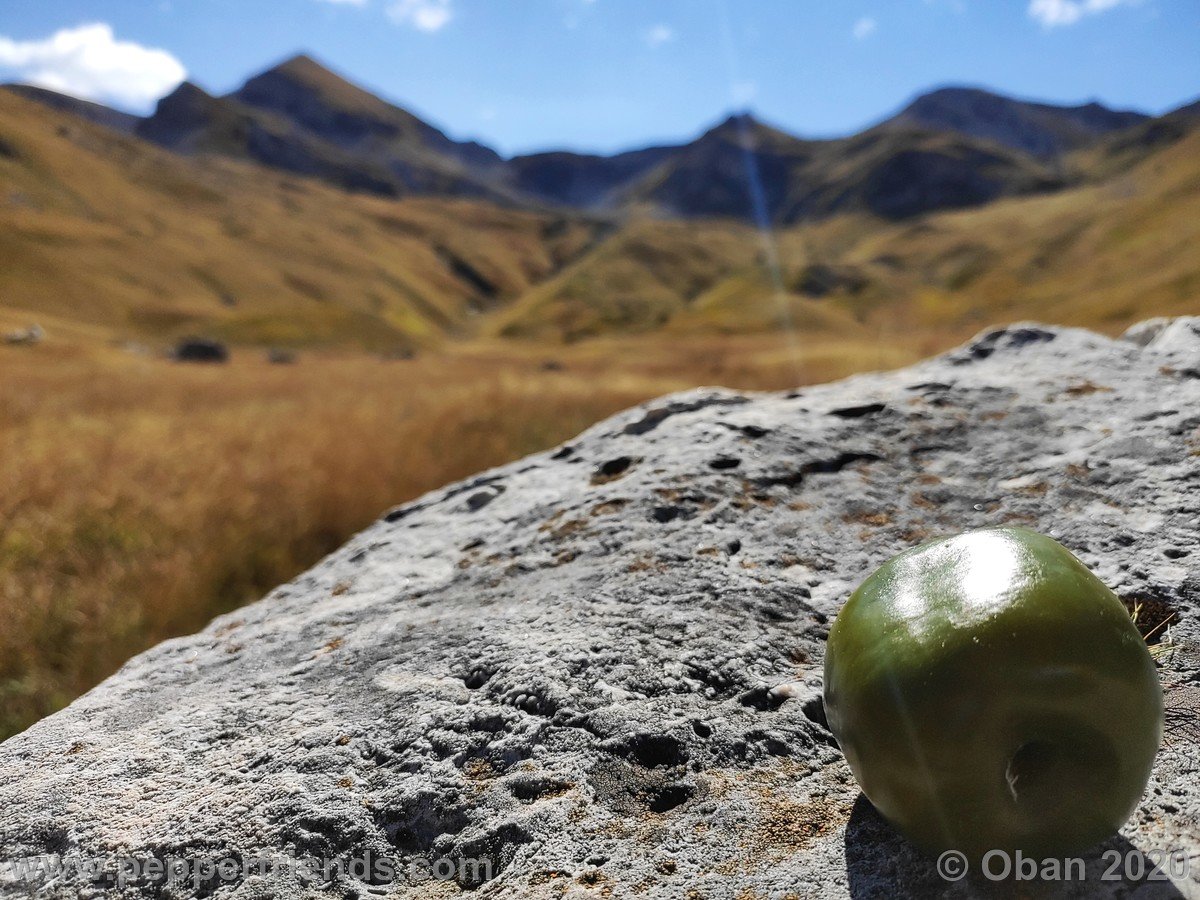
[(989, 692)]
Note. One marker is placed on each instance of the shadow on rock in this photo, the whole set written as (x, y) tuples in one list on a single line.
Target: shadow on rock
[(880, 863)]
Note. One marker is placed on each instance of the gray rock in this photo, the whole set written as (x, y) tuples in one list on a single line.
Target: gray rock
[(29, 336), (596, 671), (1145, 331), (200, 350), (1165, 334)]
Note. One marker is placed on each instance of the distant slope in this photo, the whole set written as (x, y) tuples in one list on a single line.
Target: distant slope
[(746, 169), (129, 241), (952, 148), (191, 121), (301, 117), (741, 168), (137, 243), (1042, 130), (93, 112), (637, 280), (1125, 149), (1100, 255), (898, 173), (323, 103), (586, 181)]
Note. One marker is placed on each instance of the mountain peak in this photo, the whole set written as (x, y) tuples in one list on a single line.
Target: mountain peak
[(303, 75), (305, 69), (191, 119), (738, 125), (188, 89), (743, 127), (955, 91), (300, 60), (738, 119), (338, 111), (188, 99), (961, 95), (1042, 130)]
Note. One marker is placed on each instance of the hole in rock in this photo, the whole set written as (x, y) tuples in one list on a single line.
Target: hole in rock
[(670, 796), (613, 469), (725, 463), (814, 711), (655, 750)]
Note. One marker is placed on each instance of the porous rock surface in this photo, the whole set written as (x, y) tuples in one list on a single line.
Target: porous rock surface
[(598, 669)]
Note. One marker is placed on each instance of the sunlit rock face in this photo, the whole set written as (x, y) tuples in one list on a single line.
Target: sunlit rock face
[(596, 671)]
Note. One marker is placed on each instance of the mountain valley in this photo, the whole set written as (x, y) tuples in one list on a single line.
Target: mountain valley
[(303, 211)]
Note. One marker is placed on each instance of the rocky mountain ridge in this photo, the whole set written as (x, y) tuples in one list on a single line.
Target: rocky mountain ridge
[(948, 149), (150, 245), (1039, 129), (300, 117)]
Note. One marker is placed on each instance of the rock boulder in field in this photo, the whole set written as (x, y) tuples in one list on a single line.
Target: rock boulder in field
[(596, 672)]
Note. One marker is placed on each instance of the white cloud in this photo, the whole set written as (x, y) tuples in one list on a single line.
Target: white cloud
[(659, 35), (864, 28), (89, 62), (1052, 13), (424, 15)]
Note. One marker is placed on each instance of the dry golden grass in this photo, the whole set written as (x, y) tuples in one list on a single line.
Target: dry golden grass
[(139, 497), (99, 228), (103, 230), (1102, 256)]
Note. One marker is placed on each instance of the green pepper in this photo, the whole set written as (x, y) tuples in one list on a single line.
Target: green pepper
[(989, 692)]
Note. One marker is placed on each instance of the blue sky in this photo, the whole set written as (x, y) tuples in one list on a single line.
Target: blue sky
[(612, 74)]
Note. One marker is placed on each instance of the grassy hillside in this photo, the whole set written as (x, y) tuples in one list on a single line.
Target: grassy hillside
[(99, 228), (139, 497), (301, 118), (1103, 255), (636, 281), (892, 171), (144, 245)]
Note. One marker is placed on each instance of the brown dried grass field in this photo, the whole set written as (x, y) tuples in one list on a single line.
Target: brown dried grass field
[(140, 497)]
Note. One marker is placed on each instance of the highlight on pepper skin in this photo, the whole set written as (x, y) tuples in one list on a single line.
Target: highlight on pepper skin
[(989, 692)]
